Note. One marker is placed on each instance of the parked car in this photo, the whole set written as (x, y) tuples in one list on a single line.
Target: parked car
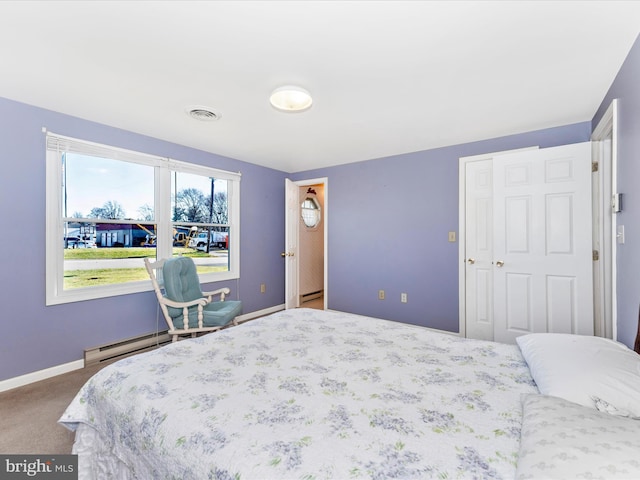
[(80, 243), (218, 240)]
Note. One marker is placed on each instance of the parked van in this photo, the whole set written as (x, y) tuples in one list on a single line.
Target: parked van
[(218, 240)]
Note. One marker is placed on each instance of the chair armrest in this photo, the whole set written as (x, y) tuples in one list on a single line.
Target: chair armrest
[(221, 291)]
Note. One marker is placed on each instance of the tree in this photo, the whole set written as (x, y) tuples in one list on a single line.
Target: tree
[(220, 212), (146, 212), (111, 210), (190, 206)]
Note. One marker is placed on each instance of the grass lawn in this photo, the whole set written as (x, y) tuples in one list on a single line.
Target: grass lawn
[(113, 253), (107, 276)]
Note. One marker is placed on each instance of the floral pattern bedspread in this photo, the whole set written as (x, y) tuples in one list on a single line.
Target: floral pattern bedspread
[(308, 394)]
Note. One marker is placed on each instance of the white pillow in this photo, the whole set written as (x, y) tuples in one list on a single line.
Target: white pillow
[(592, 371), (564, 440)]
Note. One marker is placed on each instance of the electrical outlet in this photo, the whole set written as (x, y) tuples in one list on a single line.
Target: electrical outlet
[(403, 297), (380, 294), (263, 288)]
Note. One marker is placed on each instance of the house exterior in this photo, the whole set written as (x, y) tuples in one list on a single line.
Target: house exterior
[(124, 235), (418, 191)]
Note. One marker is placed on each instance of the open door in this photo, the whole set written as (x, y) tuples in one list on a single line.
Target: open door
[(291, 245), (294, 261)]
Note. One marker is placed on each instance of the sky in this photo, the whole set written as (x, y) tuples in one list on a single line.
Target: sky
[(92, 181)]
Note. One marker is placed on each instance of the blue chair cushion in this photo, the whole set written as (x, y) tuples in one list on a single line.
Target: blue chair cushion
[(213, 315), (182, 284)]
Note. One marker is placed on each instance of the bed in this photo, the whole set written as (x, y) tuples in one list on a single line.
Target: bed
[(310, 394)]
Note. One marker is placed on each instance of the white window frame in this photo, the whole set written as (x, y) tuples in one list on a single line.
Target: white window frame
[(56, 144)]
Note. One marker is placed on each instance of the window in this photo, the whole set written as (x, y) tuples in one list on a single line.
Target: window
[(108, 208), (310, 212)]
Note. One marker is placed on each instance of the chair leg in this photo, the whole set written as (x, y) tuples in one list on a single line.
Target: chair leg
[(174, 338)]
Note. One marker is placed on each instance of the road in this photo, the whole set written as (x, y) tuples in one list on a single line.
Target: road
[(217, 259)]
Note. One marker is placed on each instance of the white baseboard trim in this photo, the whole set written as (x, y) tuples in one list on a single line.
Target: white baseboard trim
[(260, 313), (436, 330), (33, 377), (40, 375)]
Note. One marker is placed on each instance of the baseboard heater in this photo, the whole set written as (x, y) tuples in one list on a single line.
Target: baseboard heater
[(123, 348), (312, 295)]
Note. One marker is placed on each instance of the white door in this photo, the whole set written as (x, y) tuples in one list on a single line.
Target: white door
[(291, 245), (542, 242), (479, 249)]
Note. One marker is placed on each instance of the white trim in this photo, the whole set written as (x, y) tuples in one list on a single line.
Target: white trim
[(606, 283), (434, 330), (33, 377), (260, 313), (462, 247)]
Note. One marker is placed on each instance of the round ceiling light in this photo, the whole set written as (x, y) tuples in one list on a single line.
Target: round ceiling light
[(291, 99), (204, 114)]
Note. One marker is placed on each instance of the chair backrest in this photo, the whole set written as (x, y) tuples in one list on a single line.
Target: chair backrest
[(181, 282)]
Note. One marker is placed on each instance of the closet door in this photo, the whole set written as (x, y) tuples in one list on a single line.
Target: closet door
[(479, 249), (542, 271)]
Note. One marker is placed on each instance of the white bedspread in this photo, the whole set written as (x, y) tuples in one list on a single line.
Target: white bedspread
[(306, 394)]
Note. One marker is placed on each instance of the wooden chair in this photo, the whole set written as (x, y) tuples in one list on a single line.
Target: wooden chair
[(186, 308)]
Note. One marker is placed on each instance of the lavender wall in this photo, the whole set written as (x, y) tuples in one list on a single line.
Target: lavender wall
[(36, 337), (388, 225), (626, 89), (388, 228)]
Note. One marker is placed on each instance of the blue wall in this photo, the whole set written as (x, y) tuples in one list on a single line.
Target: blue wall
[(34, 336), (388, 224), (626, 88)]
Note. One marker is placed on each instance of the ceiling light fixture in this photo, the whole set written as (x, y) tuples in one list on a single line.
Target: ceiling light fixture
[(291, 99), (204, 114)]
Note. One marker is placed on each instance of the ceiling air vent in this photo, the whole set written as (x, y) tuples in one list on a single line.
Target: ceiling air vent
[(204, 114)]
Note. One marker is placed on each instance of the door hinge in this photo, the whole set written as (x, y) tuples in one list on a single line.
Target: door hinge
[(596, 255), (594, 166)]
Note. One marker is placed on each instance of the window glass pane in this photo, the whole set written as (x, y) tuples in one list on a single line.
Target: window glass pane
[(104, 188), (102, 252), (106, 253), (310, 212), (201, 220)]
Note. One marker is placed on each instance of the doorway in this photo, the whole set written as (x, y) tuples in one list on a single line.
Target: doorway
[(305, 254), (604, 139)]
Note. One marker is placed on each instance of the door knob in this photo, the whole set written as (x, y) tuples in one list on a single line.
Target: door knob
[(471, 261), (499, 263)]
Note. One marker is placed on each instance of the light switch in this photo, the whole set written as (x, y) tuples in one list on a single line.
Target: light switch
[(452, 236)]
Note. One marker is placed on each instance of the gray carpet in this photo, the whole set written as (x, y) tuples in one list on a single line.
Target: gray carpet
[(29, 414)]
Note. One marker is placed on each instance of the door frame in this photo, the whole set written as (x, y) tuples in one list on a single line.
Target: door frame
[(295, 223), (605, 184), (462, 219)]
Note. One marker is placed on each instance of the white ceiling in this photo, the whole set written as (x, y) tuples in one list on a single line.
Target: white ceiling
[(387, 77)]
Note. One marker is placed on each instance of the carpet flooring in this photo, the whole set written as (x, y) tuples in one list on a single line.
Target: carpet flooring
[(29, 414)]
